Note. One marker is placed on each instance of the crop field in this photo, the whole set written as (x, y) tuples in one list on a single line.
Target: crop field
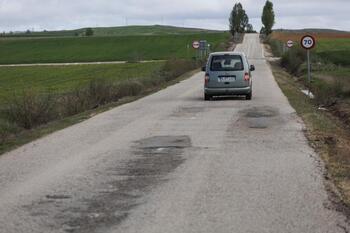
[(94, 49), (333, 47), (296, 36), (58, 79)]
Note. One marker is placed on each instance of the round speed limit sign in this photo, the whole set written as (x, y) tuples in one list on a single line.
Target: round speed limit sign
[(308, 42), (195, 44)]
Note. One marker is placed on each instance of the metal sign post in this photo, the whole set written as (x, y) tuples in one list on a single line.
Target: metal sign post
[(308, 42), (203, 48), (308, 69)]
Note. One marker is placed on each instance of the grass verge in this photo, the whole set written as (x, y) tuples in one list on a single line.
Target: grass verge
[(31, 115), (327, 134)]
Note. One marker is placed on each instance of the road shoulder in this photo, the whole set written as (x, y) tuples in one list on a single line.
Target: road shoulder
[(326, 134)]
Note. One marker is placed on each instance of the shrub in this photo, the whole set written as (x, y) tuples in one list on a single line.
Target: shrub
[(293, 59), (73, 103), (327, 94), (276, 47), (131, 87), (89, 32), (7, 129), (176, 67), (31, 109), (100, 91)]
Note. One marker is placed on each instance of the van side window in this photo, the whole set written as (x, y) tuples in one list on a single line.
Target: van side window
[(226, 63)]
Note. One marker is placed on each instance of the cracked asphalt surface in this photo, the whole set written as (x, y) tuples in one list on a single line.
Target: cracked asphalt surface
[(171, 162)]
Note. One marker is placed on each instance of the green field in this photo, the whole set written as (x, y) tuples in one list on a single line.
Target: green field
[(336, 51), (65, 78), (88, 49)]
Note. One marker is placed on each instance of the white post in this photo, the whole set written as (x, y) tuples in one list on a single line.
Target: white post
[(309, 70)]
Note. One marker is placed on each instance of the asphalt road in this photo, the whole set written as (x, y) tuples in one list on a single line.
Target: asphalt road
[(171, 163)]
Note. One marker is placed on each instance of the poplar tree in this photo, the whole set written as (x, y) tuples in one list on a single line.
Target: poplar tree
[(268, 17)]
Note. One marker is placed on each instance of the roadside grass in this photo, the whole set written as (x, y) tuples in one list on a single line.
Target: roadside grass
[(31, 114), (328, 134), (331, 47), (61, 79), (330, 66), (111, 48)]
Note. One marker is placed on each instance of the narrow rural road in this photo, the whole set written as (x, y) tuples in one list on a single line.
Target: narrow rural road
[(172, 163)]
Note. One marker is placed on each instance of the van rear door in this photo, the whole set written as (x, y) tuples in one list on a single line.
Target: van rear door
[(226, 71)]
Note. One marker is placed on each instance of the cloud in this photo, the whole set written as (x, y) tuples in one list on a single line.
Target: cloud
[(64, 14)]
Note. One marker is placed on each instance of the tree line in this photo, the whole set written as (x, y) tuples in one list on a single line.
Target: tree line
[(239, 20)]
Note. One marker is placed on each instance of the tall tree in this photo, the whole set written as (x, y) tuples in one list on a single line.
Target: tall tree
[(238, 19), (268, 17), (89, 32)]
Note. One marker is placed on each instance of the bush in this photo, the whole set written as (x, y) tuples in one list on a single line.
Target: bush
[(73, 103), (31, 109), (131, 87), (327, 94), (293, 59), (89, 32), (176, 67), (100, 92), (276, 47), (7, 129)]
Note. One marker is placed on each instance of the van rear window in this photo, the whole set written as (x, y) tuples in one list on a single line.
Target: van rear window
[(226, 63)]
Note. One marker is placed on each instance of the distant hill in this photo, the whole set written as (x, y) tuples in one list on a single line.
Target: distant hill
[(311, 30), (116, 31)]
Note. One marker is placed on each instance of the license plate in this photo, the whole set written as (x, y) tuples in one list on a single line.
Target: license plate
[(227, 79)]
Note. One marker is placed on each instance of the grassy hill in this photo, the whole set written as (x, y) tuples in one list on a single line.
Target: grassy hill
[(312, 30), (116, 31), (108, 48)]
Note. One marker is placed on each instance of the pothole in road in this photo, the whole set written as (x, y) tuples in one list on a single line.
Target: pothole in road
[(58, 197), (261, 112), (187, 111), (155, 158), (259, 117)]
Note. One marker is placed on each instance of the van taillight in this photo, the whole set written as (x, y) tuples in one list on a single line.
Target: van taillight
[(246, 77), (206, 79)]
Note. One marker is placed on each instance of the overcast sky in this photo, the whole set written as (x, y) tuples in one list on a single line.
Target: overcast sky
[(213, 14)]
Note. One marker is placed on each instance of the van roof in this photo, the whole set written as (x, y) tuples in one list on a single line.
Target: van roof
[(228, 52)]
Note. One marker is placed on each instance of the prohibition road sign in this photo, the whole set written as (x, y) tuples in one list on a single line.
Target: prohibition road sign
[(290, 43), (195, 44), (308, 42)]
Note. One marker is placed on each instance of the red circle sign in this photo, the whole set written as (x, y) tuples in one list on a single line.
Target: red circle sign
[(195, 44), (290, 43), (308, 42)]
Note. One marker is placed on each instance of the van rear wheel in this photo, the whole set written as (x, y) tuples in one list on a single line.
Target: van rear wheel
[(207, 97), (249, 96)]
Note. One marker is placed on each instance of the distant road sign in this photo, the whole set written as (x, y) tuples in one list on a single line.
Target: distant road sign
[(195, 44), (203, 45), (290, 43), (308, 42)]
